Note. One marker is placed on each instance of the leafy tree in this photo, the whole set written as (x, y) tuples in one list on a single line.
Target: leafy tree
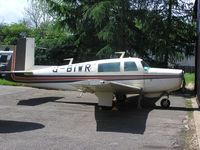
[(158, 31), (176, 26), (9, 34), (166, 30), (150, 29), (100, 26), (51, 44), (37, 13)]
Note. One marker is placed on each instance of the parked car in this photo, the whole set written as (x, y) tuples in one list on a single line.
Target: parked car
[(5, 57)]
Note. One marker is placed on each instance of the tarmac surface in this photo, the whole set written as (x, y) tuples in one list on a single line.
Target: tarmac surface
[(47, 119)]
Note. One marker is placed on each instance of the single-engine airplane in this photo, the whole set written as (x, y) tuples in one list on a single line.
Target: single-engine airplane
[(106, 78)]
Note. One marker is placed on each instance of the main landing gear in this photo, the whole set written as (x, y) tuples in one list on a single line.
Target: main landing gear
[(165, 102), (120, 97)]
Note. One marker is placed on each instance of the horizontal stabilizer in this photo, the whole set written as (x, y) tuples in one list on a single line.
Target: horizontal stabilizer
[(5, 52), (17, 72)]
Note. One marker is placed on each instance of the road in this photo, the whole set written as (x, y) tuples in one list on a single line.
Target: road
[(47, 119)]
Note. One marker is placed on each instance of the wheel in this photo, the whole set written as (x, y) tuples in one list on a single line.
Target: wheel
[(165, 103), (120, 97)]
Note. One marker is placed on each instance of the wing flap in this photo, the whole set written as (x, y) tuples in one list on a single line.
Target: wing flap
[(124, 88)]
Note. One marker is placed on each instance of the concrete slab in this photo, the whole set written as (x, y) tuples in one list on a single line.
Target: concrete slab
[(196, 114), (47, 119)]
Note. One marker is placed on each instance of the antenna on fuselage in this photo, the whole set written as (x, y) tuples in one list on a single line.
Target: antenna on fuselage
[(122, 54), (70, 60)]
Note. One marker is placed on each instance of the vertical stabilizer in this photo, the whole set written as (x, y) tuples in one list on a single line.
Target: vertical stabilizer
[(24, 58)]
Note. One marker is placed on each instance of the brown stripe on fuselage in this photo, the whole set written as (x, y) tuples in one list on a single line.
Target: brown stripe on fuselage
[(52, 79)]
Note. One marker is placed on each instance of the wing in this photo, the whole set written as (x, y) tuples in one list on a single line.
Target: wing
[(105, 86)]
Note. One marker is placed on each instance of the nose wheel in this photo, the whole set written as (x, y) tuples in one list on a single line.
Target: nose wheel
[(165, 103)]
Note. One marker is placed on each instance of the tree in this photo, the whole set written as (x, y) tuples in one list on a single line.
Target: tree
[(167, 31), (152, 29), (52, 43), (11, 33), (100, 26), (176, 27), (37, 13), (49, 37)]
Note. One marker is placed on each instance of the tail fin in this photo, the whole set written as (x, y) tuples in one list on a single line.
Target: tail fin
[(23, 57)]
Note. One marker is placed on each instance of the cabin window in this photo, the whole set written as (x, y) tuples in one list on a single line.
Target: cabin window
[(145, 66), (130, 66), (109, 67)]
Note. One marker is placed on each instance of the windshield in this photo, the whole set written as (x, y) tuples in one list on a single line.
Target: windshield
[(145, 65)]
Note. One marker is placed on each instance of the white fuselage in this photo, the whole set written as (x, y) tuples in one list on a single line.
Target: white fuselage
[(128, 71)]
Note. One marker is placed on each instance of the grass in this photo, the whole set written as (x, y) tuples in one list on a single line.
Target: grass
[(188, 104), (190, 133), (189, 78), (6, 82)]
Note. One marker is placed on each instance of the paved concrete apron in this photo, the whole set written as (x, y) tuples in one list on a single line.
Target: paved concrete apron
[(47, 119)]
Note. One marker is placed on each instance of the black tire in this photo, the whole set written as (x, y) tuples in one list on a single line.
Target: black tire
[(165, 103), (120, 97)]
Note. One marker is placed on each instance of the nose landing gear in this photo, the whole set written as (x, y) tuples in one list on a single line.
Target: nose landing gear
[(165, 103)]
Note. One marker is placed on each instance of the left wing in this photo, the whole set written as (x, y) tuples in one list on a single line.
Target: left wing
[(105, 86)]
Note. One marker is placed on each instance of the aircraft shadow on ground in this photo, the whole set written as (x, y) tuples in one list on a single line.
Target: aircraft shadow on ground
[(177, 108), (128, 119), (7, 126), (38, 101), (186, 93), (78, 103)]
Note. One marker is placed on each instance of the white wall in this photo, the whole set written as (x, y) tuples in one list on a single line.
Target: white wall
[(190, 61)]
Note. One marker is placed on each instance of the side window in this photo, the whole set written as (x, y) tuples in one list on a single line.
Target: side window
[(109, 67), (130, 66), (145, 66)]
